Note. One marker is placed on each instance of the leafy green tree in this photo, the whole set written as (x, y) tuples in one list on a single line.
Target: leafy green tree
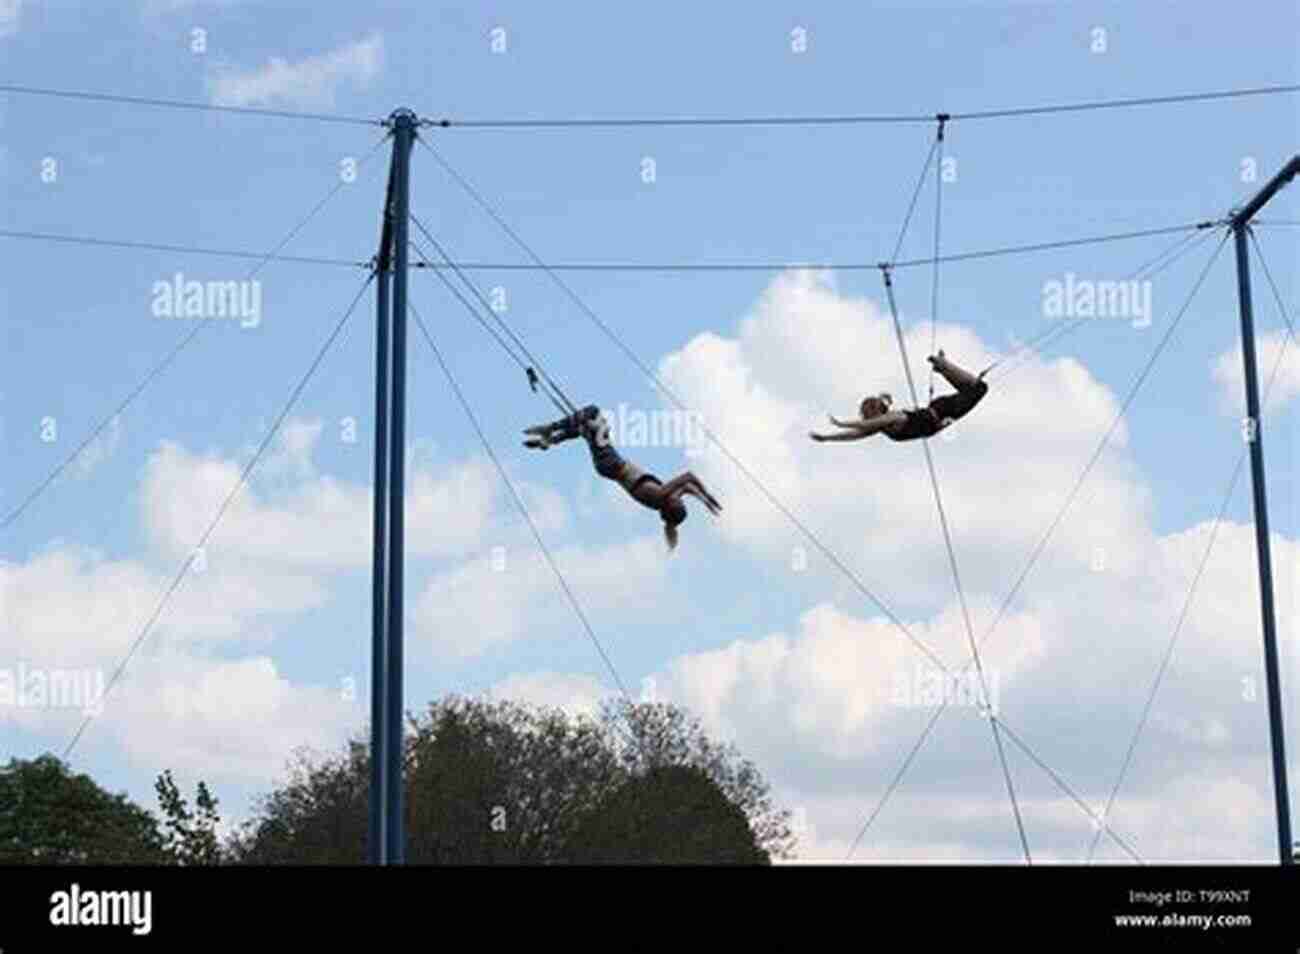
[(49, 816), (190, 837), (653, 735), (500, 782), (673, 814), (319, 817)]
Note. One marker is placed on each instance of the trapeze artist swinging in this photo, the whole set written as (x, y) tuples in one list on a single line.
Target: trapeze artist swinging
[(875, 417), (645, 488)]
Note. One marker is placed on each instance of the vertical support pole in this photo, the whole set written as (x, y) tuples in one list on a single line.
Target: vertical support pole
[(377, 843), (404, 127), (1255, 434)]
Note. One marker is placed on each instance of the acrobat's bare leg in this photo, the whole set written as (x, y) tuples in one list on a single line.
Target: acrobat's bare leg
[(697, 488), (959, 378), (543, 436), (688, 483)]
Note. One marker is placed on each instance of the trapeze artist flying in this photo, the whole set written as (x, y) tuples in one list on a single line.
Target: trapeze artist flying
[(644, 488), (875, 417)]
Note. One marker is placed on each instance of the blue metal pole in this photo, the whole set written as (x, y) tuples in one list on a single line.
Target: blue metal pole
[(1256, 436), (377, 845), (404, 127), (1240, 223)]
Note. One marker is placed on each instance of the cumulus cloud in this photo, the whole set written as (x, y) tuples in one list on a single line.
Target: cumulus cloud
[(311, 82), (1278, 367), (69, 608), (834, 682), (72, 614), (805, 351), (270, 555), (575, 694), (227, 721), (492, 600), (318, 521), (290, 459), (240, 718), (69, 605)]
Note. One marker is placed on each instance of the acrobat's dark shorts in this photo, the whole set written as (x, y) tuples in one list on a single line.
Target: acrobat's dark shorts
[(928, 421), (959, 405), (609, 462)]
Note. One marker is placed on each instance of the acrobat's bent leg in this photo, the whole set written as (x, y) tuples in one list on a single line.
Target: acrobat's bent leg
[(566, 428), (688, 483), (959, 378), (710, 501), (956, 406)]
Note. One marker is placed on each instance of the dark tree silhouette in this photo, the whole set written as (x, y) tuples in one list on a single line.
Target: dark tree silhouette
[(673, 814), (49, 816), (190, 836), (318, 817), (500, 782)]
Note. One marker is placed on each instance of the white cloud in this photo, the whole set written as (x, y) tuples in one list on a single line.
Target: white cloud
[(575, 694), (290, 458), (836, 681), (239, 720), (313, 81), (1004, 470), (494, 599), (816, 710), (318, 521), (69, 606), (181, 703), (66, 606), (68, 610), (1276, 362)]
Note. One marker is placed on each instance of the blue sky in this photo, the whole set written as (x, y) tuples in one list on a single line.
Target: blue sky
[(80, 335)]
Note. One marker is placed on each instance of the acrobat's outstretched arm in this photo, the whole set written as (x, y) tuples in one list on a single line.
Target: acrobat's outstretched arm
[(844, 435), (856, 430)]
